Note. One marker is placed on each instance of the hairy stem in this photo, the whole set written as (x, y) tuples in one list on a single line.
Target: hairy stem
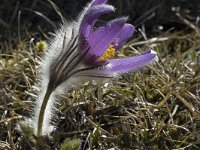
[(42, 110)]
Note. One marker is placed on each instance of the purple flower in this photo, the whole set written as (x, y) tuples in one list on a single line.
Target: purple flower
[(79, 52), (100, 44)]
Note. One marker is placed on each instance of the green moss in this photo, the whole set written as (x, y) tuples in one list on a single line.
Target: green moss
[(70, 145)]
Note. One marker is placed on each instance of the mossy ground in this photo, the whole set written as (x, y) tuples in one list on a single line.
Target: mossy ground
[(157, 107)]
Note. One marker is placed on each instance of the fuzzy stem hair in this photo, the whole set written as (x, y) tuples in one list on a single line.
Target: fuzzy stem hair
[(42, 110)]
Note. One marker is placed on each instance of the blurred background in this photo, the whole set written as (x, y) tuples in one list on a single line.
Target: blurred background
[(27, 17)]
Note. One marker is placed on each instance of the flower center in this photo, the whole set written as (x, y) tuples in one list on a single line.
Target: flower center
[(110, 52)]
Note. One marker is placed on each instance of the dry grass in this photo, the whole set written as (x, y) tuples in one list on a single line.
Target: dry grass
[(155, 108)]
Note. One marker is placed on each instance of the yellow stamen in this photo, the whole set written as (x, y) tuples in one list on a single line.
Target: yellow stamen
[(110, 52)]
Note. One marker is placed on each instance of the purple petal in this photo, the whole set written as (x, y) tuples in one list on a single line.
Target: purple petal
[(91, 16), (104, 36), (124, 65), (124, 35), (97, 2)]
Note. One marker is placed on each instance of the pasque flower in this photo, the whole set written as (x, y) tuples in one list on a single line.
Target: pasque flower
[(99, 45), (81, 51)]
